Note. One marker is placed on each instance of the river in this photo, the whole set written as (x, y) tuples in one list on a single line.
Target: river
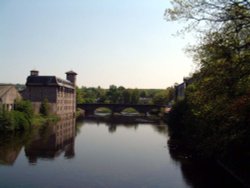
[(97, 153)]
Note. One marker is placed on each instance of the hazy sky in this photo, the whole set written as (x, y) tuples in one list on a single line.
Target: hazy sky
[(106, 42)]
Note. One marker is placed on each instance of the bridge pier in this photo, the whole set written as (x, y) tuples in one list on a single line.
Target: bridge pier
[(89, 112)]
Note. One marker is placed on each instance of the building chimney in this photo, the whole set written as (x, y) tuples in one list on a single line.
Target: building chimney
[(34, 73), (71, 76)]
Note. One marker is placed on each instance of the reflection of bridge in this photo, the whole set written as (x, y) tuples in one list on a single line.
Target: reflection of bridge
[(118, 108)]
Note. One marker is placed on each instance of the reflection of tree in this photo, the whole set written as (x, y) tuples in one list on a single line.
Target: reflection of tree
[(10, 147), (125, 121), (201, 173), (162, 128), (79, 125), (112, 128), (52, 140)]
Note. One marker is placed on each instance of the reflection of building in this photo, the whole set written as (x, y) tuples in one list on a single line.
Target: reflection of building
[(53, 140), (8, 95), (60, 93)]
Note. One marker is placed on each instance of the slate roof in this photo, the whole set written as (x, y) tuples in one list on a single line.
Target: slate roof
[(48, 81), (4, 89)]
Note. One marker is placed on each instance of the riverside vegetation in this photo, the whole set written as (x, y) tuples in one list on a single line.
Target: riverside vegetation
[(213, 121), (23, 118)]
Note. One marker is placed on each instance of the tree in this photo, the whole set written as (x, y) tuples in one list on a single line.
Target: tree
[(113, 94), (127, 96), (143, 94), (160, 98), (163, 97), (135, 96), (25, 107), (170, 94), (5, 120), (79, 96), (210, 15), (216, 117), (120, 91), (101, 95), (45, 107), (18, 119)]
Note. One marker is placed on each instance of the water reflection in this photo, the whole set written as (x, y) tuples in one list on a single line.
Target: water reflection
[(110, 153), (10, 148), (201, 173), (52, 140), (129, 122)]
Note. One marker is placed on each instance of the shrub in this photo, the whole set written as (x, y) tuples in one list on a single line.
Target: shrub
[(25, 107), (45, 108), (20, 121)]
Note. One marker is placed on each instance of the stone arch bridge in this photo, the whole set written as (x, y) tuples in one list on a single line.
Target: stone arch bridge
[(118, 108)]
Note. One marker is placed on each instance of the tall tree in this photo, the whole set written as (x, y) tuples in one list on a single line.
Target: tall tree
[(112, 94), (135, 96), (219, 99), (210, 15), (127, 96)]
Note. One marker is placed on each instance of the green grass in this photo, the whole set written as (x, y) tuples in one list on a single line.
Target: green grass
[(103, 110), (129, 110)]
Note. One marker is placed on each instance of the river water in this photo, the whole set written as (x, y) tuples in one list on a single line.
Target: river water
[(97, 153)]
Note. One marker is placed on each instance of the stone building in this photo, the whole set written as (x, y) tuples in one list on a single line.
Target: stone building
[(60, 93), (180, 89), (8, 95)]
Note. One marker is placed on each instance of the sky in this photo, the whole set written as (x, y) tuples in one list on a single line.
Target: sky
[(124, 43)]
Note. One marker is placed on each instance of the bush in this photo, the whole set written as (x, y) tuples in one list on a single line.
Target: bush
[(20, 121), (5, 120), (25, 107), (45, 108)]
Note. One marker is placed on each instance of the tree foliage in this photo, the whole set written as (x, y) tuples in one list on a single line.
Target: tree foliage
[(210, 15), (45, 107), (122, 95), (18, 119), (25, 107), (217, 114)]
